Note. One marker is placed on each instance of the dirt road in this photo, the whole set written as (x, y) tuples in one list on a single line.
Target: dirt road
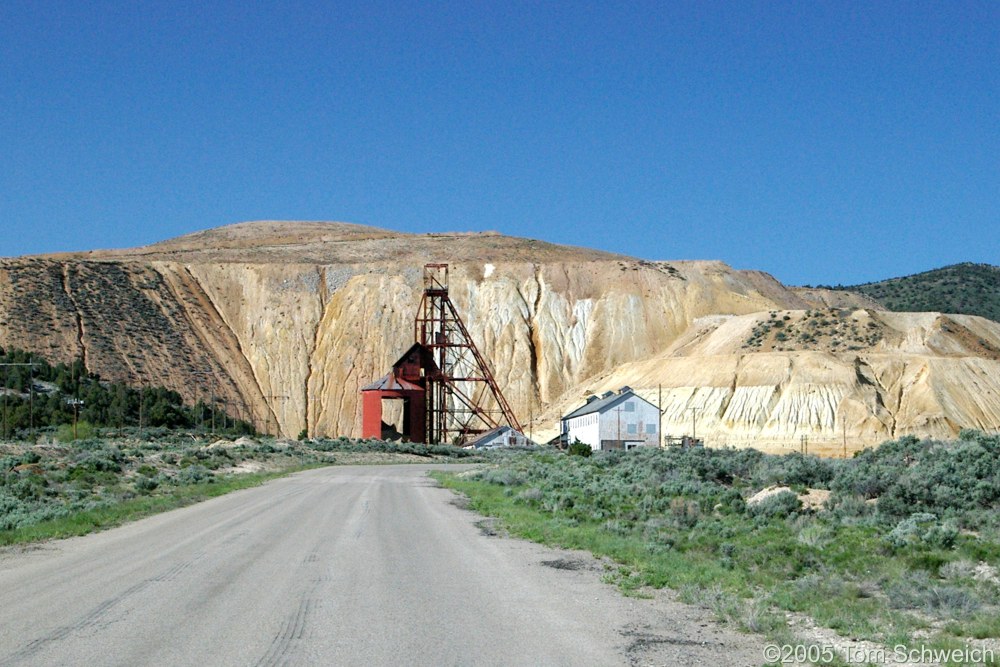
[(366, 565)]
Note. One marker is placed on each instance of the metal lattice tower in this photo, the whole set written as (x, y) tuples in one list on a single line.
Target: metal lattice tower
[(465, 400)]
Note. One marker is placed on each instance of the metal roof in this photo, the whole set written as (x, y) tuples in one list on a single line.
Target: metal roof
[(503, 429), (489, 435), (392, 383), (605, 403)]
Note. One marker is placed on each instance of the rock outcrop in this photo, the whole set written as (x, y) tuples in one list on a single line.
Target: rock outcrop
[(283, 322)]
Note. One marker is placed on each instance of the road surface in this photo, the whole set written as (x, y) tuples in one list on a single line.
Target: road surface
[(354, 565)]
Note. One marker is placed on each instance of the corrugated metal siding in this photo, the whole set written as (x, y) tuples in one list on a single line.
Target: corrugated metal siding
[(584, 429), (615, 423)]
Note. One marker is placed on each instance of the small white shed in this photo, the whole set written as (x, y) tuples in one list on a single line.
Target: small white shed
[(501, 436)]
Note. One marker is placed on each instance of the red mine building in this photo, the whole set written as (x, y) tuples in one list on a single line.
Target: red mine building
[(408, 382)]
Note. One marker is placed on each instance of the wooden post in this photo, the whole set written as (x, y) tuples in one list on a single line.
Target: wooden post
[(659, 412), (31, 401)]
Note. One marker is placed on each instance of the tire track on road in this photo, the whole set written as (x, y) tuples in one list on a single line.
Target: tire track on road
[(316, 570), (96, 617), (293, 630)]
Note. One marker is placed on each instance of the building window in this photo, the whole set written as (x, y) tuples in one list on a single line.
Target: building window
[(650, 429), (629, 406), (633, 429)]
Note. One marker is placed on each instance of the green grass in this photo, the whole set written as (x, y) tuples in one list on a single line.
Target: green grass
[(748, 570), (88, 521)]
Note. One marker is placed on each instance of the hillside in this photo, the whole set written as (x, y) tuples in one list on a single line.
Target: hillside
[(822, 380), (968, 289), (283, 322)]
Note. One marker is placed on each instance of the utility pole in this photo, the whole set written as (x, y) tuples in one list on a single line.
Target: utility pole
[(844, 428), (76, 403), (282, 398), (618, 411), (694, 424), (248, 414), (121, 409), (200, 404), (140, 375), (201, 411), (310, 418), (253, 416), (31, 402), (659, 413), (5, 402), (75, 400)]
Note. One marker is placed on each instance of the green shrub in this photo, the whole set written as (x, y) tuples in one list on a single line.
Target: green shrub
[(922, 529), (504, 477), (84, 431), (530, 496), (958, 570), (685, 513), (194, 474), (145, 484), (579, 449), (779, 505), (915, 590)]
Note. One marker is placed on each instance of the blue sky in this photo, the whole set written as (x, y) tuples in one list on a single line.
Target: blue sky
[(823, 142)]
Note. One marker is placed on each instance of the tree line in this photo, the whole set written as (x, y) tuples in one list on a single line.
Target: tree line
[(43, 395)]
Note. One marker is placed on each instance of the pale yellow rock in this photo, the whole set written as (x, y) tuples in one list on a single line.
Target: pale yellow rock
[(919, 379)]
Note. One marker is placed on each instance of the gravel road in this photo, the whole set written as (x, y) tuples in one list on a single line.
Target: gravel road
[(353, 565)]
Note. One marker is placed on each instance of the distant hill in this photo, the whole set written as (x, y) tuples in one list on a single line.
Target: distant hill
[(967, 289)]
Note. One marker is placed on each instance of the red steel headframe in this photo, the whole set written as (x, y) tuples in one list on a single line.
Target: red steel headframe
[(466, 399)]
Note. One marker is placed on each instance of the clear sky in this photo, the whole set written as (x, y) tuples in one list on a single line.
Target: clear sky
[(823, 142)]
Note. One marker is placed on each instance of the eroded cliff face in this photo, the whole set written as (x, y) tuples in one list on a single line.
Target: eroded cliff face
[(314, 334), (288, 336)]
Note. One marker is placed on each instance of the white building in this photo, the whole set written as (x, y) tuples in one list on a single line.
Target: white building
[(501, 436), (614, 421)]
